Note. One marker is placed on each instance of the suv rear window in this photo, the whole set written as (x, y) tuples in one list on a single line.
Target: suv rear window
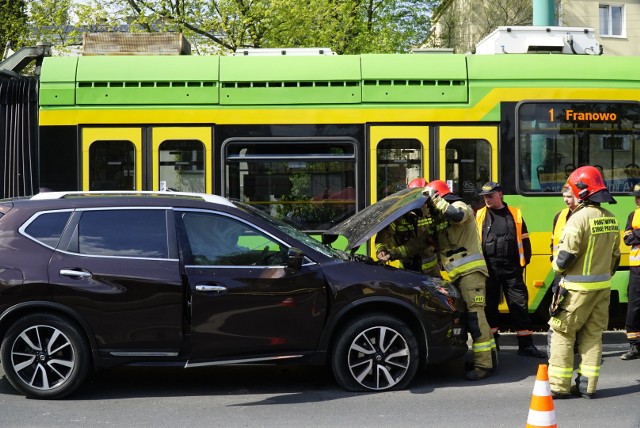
[(48, 227), (125, 233)]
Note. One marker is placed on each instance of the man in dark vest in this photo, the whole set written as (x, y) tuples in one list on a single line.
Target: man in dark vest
[(507, 250)]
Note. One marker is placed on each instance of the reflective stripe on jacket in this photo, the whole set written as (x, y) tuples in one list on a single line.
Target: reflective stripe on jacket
[(593, 236), (459, 246)]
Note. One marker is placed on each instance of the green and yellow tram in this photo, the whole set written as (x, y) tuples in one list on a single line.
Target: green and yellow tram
[(317, 138)]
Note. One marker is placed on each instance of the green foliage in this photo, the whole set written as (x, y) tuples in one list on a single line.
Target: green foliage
[(462, 24), (13, 23), (63, 22), (222, 26)]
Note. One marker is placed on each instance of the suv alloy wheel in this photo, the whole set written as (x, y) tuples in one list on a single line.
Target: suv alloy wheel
[(376, 352), (45, 356)]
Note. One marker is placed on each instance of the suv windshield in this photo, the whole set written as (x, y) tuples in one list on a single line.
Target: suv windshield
[(290, 230)]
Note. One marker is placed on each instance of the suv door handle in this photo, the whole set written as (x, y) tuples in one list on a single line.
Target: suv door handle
[(210, 288), (75, 273)]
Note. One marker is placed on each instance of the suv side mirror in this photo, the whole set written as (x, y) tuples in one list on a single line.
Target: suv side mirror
[(294, 258)]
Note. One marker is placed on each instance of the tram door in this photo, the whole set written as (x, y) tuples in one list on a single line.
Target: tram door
[(112, 159), (398, 154), (468, 158), (181, 159)]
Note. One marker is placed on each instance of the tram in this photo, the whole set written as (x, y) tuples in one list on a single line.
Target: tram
[(316, 138)]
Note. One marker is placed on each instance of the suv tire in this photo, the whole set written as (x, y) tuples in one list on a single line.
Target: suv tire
[(45, 356), (375, 352)]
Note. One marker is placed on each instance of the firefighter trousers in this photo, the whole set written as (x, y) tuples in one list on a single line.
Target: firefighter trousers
[(583, 315), (472, 288)]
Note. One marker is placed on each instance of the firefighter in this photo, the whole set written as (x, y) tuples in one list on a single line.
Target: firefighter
[(460, 256), (507, 250), (632, 237), (588, 255), (411, 239), (559, 221)]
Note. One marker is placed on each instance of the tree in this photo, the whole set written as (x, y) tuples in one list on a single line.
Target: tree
[(13, 22), (346, 26), (62, 22), (461, 24), (222, 26)]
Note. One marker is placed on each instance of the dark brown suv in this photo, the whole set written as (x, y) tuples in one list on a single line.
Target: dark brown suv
[(89, 281)]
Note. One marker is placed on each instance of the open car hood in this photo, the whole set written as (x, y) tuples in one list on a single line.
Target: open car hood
[(360, 227)]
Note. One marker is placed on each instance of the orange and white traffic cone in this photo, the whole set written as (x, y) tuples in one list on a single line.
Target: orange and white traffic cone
[(541, 410)]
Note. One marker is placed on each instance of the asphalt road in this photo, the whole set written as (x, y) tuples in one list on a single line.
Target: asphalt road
[(303, 396)]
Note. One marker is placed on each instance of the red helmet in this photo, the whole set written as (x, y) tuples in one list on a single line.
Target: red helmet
[(417, 182), (440, 187), (586, 181)]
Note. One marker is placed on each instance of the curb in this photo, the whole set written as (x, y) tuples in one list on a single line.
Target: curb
[(618, 337)]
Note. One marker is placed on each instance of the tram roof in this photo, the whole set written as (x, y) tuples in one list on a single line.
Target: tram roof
[(335, 79)]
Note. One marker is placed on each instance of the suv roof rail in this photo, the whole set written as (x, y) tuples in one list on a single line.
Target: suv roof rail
[(79, 193)]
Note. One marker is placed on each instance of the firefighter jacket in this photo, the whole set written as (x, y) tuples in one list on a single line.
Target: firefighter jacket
[(559, 222), (410, 239), (524, 254), (590, 235), (459, 246), (632, 237)]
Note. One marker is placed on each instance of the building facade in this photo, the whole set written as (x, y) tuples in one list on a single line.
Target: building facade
[(461, 24), (617, 23)]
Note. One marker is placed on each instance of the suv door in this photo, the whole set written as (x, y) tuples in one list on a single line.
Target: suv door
[(244, 301), (119, 269)]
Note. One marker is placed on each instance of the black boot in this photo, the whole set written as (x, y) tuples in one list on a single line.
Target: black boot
[(531, 351), (633, 353), (477, 374)]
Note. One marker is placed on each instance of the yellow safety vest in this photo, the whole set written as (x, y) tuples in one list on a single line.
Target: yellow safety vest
[(634, 253), (517, 218), (557, 230)]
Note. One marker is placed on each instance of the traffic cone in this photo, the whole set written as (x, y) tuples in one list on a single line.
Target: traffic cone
[(541, 411)]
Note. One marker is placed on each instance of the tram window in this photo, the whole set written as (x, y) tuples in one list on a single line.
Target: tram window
[(112, 165), (126, 233), (182, 165), (310, 182), (399, 161), (468, 167), (556, 138)]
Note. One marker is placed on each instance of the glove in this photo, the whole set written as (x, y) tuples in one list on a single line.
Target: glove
[(439, 202), (430, 192)]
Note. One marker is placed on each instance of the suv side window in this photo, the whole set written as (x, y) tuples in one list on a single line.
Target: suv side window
[(125, 233), (47, 228), (217, 240)]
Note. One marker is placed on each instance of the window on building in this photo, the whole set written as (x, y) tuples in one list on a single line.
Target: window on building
[(611, 20)]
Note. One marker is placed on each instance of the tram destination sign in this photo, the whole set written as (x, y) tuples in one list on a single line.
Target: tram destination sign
[(580, 113)]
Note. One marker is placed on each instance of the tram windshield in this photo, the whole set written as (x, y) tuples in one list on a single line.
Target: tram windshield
[(556, 138)]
